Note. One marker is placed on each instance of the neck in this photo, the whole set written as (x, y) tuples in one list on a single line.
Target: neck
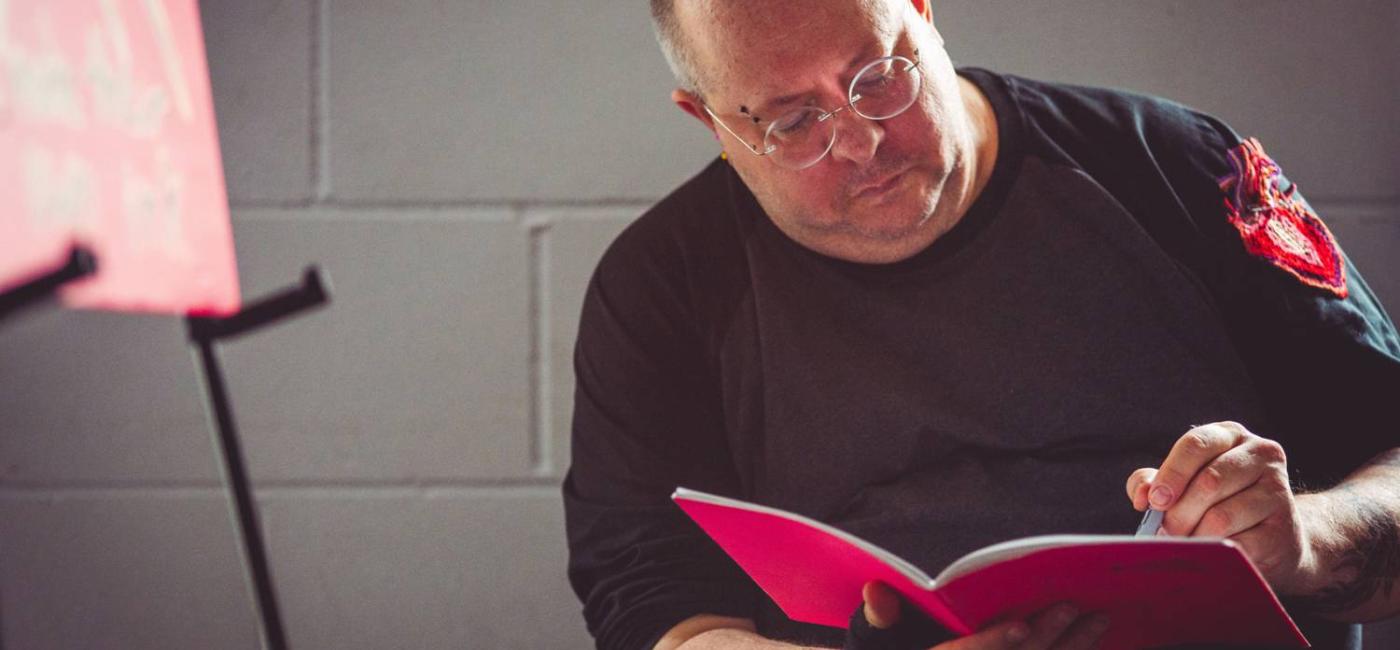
[(985, 140)]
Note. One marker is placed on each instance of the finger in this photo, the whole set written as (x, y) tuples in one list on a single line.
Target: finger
[(1227, 475), (1084, 634), (1138, 483), (1049, 625), (1191, 452), (1243, 510), (1002, 636), (881, 605)]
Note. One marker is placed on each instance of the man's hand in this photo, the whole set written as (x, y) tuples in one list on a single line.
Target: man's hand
[(1060, 627), (1220, 480)]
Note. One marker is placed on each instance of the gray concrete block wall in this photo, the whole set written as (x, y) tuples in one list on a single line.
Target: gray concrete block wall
[(499, 101), (139, 568), (418, 372), (261, 56), (457, 168), (1315, 82)]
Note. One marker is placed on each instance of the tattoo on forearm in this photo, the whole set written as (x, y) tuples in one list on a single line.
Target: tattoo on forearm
[(1371, 566)]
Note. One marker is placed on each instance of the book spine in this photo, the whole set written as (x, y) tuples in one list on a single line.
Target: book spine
[(936, 605)]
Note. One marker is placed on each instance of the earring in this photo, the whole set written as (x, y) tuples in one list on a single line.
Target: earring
[(723, 155)]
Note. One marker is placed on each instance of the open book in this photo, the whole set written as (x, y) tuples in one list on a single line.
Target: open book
[(1156, 591)]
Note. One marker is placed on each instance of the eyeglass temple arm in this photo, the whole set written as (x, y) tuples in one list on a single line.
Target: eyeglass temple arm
[(731, 132)]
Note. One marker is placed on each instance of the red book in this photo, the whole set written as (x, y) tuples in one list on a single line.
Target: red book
[(1155, 591)]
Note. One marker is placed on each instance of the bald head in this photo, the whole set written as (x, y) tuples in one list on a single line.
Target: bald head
[(884, 188), (691, 32), (671, 39)]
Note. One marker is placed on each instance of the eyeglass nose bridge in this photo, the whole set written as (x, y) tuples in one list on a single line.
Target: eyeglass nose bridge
[(832, 113)]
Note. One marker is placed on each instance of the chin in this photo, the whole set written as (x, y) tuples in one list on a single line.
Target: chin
[(902, 216), (886, 230)]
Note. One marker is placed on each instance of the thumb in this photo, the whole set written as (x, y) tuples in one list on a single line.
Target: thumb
[(881, 605), (1138, 484)]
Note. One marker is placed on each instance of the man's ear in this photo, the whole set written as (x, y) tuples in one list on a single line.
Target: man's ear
[(693, 106), (925, 9)]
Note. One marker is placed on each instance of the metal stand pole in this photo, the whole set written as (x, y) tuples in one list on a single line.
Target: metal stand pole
[(203, 333)]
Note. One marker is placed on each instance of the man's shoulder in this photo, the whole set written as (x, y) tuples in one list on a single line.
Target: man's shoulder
[(689, 245), (700, 198), (695, 214), (1109, 132), (1161, 159), (1083, 115)]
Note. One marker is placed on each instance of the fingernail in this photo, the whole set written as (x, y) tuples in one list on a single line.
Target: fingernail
[(1065, 615), (1017, 633), (1160, 496), (1161, 531)]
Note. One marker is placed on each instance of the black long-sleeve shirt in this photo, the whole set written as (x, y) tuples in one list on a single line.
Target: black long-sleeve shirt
[(1092, 305)]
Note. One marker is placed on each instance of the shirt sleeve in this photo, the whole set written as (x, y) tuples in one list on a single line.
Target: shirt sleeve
[(646, 420), (1326, 366), (1326, 361)]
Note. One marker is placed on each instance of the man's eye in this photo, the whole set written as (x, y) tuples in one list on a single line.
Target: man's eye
[(872, 84), (792, 123)]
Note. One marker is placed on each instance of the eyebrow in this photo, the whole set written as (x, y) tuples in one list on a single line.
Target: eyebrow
[(773, 104)]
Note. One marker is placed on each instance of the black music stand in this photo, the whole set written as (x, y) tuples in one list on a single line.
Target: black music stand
[(204, 331)]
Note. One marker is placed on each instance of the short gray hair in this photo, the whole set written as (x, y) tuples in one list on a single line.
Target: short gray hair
[(669, 35)]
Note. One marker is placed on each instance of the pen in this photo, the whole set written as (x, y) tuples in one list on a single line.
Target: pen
[(1151, 521)]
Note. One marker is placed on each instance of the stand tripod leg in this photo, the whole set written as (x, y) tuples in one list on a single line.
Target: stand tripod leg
[(245, 510), (204, 331)]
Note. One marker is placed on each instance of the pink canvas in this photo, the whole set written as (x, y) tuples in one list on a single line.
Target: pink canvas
[(108, 140)]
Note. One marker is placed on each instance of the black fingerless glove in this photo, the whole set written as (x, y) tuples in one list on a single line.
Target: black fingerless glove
[(914, 631)]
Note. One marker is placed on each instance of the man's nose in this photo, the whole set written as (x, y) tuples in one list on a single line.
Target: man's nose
[(857, 138)]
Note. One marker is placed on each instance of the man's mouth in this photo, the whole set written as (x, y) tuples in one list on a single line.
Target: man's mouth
[(880, 187)]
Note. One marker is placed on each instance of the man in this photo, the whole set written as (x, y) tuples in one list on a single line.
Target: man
[(941, 309)]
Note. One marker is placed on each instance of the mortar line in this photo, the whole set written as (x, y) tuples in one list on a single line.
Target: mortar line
[(319, 213), (216, 489), (539, 448), (320, 100), (447, 204)]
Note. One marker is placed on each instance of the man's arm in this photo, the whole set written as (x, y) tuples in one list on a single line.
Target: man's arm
[(706, 631), (1356, 533), (710, 631), (1335, 552), (647, 417)]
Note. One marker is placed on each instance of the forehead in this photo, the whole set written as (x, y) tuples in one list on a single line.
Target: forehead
[(747, 48)]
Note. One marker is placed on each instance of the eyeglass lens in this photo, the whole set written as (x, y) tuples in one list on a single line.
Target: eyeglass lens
[(885, 88)]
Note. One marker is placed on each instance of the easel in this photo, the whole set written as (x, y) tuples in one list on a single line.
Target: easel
[(32, 292), (203, 333)]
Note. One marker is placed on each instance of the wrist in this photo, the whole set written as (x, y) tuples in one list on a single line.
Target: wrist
[(1327, 521), (1322, 528), (1353, 537)]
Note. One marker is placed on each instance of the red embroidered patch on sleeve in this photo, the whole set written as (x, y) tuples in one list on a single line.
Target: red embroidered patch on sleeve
[(1276, 225)]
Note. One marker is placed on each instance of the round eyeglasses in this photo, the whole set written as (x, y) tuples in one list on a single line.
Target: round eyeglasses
[(803, 136)]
